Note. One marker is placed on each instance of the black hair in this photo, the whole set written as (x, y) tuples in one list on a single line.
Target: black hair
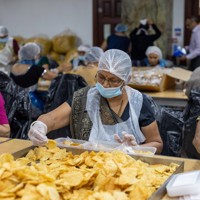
[(146, 27), (195, 18)]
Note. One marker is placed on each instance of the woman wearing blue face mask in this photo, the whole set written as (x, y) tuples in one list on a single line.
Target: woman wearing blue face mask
[(80, 59), (8, 49), (111, 111)]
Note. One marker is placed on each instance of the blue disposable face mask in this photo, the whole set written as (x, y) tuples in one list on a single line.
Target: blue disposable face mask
[(109, 92), (82, 58), (4, 40), (37, 61)]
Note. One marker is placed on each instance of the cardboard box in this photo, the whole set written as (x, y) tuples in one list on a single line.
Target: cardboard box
[(168, 78)]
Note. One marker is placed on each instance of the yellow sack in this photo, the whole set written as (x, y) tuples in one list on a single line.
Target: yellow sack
[(64, 42)]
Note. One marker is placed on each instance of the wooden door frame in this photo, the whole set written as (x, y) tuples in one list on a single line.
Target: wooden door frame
[(96, 18)]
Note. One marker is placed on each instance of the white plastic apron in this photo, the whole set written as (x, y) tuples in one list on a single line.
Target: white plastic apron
[(100, 132), (6, 53)]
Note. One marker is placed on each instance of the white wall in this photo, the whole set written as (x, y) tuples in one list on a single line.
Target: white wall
[(50, 17), (32, 17), (178, 22)]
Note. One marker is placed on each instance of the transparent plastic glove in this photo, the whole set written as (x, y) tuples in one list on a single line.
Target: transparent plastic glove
[(127, 139), (37, 133)]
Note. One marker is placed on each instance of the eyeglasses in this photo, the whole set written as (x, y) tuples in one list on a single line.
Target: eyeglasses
[(112, 81)]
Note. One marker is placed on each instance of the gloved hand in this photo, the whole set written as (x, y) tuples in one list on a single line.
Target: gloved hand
[(127, 139), (37, 133)]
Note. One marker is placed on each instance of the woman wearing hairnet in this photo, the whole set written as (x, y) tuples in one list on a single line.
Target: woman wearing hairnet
[(118, 40), (155, 58), (111, 111), (93, 56), (8, 49), (25, 73), (89, 71)]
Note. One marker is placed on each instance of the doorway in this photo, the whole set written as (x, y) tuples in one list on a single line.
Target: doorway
[(106, 14)]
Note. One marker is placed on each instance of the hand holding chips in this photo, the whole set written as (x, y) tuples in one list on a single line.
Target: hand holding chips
[(37, 133)]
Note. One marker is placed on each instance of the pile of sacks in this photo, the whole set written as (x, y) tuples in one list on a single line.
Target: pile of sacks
[(61, 48)]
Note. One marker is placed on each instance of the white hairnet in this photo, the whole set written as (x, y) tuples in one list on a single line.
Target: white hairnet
[(84, 48), (143, 21), (121, 28), (116, 62), (154, 49), (3, 31), (93, 55), (29, 51)]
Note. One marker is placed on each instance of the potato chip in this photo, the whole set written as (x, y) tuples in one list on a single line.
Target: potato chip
[(6, 157), (51, 144), (31, 155), (73, 178), (103, 196), (48, 192), (52, 173)]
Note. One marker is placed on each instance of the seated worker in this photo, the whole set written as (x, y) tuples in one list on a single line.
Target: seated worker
[(154, 58), (80, 60), (89, 71), (8, 49), (118, 40), (93, 56), (25, 73), (105, 112), (141, 39), (4, 124)]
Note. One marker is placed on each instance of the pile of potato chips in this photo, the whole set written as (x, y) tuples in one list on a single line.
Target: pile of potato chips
[(51, 173)]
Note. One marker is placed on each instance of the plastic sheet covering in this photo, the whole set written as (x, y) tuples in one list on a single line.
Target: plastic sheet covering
[(171, 130), (60, 91), (170, 124), (18, 107), (191, 112)]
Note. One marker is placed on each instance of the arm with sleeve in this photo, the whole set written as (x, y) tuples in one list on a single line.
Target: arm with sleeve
[(194, 47), (157, 33)]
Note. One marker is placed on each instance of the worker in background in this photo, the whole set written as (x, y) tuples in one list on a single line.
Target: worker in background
[(89, 71), (141, 39), (118, 40), (80, 60), (155, 58), (8, 50), (193, 49), (25, 73)]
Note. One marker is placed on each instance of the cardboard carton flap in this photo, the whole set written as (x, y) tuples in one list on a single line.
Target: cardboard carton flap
[(179, 73)]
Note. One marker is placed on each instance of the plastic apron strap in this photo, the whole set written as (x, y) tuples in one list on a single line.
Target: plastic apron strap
[(135, 103)]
